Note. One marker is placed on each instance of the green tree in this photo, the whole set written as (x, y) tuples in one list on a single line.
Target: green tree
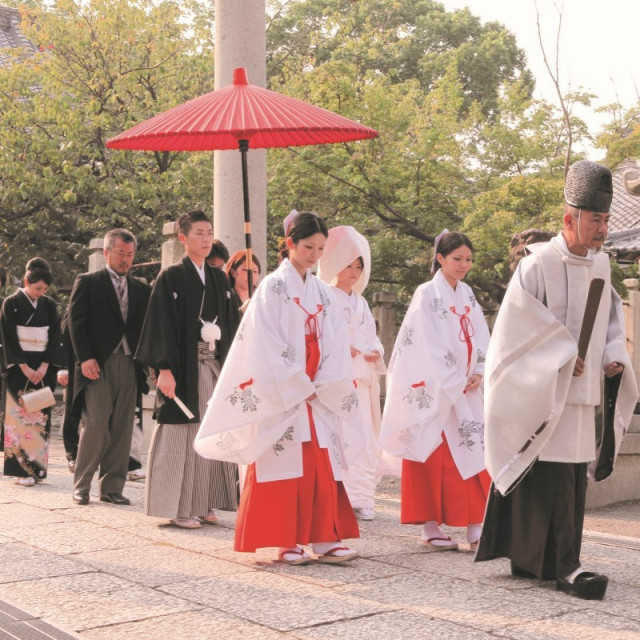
[(451, 99), (103, 66)]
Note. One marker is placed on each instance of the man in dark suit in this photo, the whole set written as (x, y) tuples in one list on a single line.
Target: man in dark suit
[(106, 313)]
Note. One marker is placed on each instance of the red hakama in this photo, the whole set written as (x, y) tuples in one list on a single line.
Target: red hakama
[(435, 490), (312, 508)]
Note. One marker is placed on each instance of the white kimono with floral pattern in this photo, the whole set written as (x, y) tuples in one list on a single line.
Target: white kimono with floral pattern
[(258, 411), (429, 369)]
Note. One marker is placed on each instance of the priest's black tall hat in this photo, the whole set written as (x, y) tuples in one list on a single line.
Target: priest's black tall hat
[(588, 186)]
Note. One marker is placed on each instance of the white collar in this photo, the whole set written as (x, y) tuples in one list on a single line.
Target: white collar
[(200, 270), (34, 303)]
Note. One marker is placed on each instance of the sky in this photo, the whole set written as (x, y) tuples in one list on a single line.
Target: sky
[(599, 46)]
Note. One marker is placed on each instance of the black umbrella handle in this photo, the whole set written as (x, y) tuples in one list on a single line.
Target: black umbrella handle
[(243, 145)]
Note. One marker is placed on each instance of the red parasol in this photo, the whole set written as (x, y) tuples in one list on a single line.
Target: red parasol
[(238, 117)]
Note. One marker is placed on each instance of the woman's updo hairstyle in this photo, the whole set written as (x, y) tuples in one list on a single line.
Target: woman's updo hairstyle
[(38, 269), (305, 225)]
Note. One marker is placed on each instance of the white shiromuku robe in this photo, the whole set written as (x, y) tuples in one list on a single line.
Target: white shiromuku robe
[(535, 409), (360, 478), (258, 411), (429, 369)]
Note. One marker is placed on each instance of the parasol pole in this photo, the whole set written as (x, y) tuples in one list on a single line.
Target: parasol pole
[(243, 145)]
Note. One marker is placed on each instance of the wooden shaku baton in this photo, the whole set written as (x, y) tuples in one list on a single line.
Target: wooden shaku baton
[(590, 313)]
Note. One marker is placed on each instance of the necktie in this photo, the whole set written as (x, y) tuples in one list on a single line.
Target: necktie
[(120, 291)]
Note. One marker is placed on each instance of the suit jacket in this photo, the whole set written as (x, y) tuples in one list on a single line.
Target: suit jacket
[(96, 325)]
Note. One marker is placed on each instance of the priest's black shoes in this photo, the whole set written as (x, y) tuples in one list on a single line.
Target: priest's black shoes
[(587, 585), (80, 497), (115, 498)]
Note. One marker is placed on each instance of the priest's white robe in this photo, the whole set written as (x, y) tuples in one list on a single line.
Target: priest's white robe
[(258, 411), (429, 369), (535, 409)]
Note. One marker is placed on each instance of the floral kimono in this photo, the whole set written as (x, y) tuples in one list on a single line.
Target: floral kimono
[(31, 335)]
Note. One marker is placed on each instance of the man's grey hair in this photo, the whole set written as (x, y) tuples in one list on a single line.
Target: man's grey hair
[(113, 234)]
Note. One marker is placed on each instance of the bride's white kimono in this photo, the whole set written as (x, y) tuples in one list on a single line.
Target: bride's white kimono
[(258, 411), (442, 342), (360, 478)]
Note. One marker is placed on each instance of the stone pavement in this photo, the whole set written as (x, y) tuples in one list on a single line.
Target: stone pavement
[(103, 572)]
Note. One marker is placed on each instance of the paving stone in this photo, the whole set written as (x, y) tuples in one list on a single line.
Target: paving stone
[(585, 624), (16, 516), (73, 536), (398, 625), (359, 570), (276, 601), (203, 624), (461, 601), (91, 600), (21, 562), (158, 564)]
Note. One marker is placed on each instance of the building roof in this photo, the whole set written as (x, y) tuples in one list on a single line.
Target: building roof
[(624, 225), (11, 37), (625, 208)]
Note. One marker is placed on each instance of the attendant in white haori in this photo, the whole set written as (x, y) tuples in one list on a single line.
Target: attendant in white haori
[(346, 266), (433, 410), (285, 395)]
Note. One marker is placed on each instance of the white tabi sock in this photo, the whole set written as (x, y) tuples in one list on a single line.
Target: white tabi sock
[(474, 531), (571, 578), (431, 530)]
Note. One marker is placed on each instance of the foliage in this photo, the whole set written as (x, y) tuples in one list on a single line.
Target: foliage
[(621, 137), (462, 144), (102, 66)]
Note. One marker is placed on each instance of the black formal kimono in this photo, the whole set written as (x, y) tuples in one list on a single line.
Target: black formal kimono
[(171, 331), (27, 434), (180, 483)]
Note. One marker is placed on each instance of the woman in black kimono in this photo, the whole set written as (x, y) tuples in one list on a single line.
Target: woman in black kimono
[(32, 348)]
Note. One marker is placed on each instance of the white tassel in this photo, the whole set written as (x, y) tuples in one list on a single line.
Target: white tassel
[(210, 332)]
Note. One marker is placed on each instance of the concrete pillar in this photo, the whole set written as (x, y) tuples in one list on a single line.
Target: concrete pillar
[(384, 314), (240, 42), (172, 248), (632, 321), (97, 260)]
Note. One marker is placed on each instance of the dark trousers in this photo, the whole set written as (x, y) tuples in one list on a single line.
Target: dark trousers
[(539, 524), (106, 426)]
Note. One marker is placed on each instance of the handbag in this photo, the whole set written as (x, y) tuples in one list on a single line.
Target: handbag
[(37, 399)]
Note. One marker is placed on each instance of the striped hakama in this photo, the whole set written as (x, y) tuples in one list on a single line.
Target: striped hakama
[(181, 483)]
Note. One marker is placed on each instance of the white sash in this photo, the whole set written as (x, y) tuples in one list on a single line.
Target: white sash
[(33, 338)]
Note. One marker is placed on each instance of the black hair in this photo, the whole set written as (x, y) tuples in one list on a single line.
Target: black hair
[(3, 277), (218, 250), (186, 220), (38, 269), (305, 225), (450, 243)]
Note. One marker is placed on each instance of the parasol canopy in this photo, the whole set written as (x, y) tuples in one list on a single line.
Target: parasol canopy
[(240, 111), (238, 117)]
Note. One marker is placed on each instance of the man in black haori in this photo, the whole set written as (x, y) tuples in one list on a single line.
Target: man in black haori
[(188, 330), (541, 397)]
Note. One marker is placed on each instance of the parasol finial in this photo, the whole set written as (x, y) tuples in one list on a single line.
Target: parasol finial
[(240, 76)]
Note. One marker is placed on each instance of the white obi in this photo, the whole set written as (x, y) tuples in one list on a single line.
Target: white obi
[(33, 338)]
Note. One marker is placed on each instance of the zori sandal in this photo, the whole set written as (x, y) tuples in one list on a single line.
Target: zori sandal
[(294, 557), (430, 547), (337, 555)]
